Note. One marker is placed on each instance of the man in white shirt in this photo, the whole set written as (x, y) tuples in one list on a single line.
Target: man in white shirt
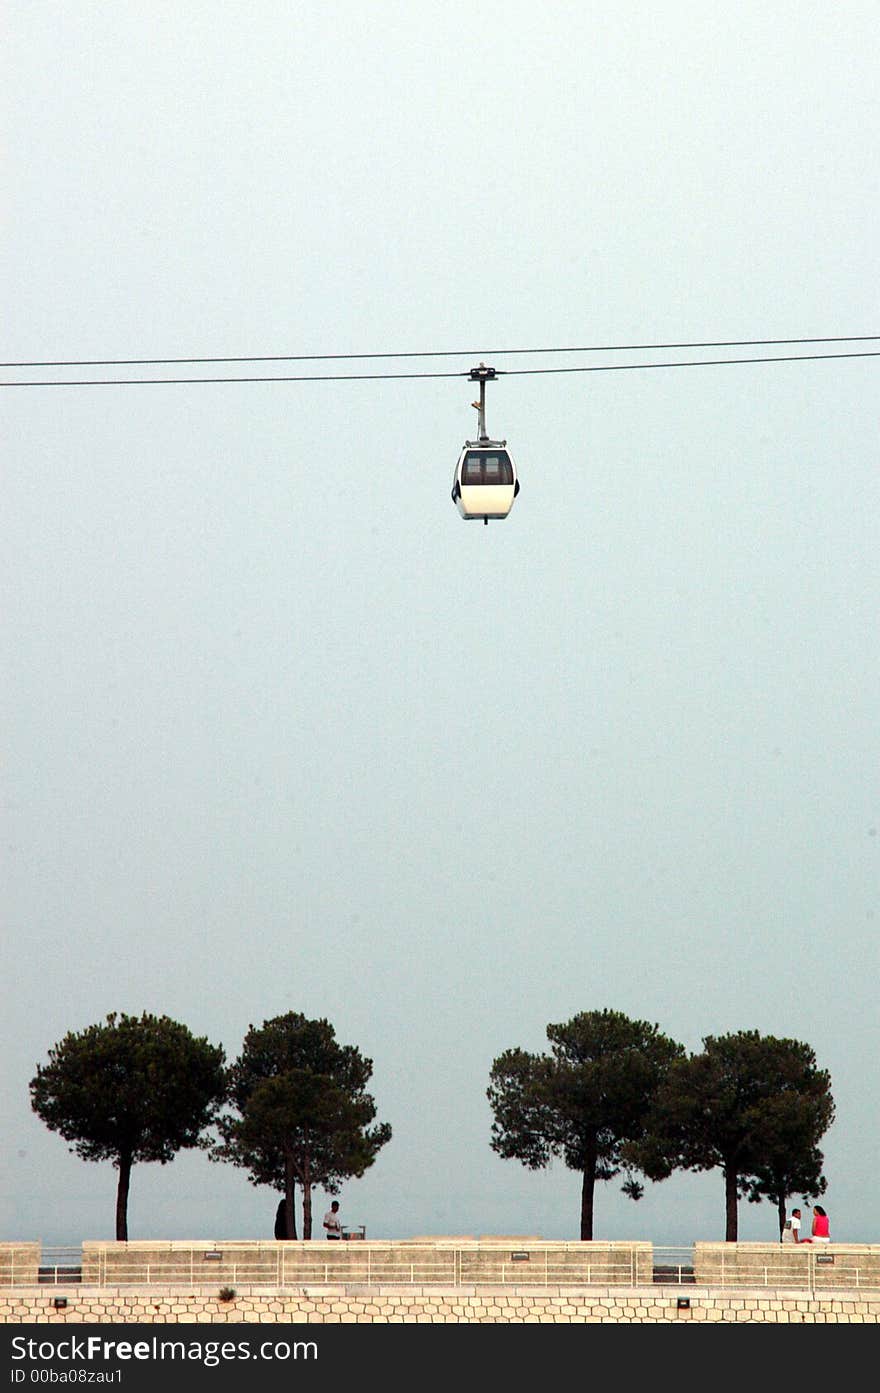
[(792, 1231), (332, 1221)]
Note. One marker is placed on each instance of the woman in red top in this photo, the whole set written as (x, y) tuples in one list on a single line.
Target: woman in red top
[(819, 1230), (820, 1225)]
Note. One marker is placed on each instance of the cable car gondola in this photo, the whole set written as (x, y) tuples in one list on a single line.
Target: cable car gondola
[(485, 482)]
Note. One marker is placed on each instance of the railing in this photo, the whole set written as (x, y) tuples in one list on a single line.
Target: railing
[(60, 1266), (813, 1268), (674, 1266), (364, 1263), (573, 1264)]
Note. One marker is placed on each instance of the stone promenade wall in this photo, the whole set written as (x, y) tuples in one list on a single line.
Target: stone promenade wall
[(816, 1265), (19, 1263), (443, 1261), (338, 1305), (441, 1280)]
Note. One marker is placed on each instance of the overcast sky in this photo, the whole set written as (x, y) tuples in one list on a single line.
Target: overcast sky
[(281, 731)]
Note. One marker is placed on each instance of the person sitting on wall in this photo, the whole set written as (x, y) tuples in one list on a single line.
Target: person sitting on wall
[(819, 1232), (792, 1231)]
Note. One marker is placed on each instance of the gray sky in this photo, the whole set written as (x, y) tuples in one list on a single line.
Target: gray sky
[(281, 731)]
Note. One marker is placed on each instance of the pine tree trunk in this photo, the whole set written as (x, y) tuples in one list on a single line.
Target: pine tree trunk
[(587, 1189), (307, 1199), (289, 1211), (730, 1179), (122, 1199)]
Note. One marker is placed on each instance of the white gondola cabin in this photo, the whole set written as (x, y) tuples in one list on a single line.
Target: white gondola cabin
[(485, 482)]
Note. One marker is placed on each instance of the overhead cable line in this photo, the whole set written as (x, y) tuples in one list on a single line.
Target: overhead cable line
[(177, 381), (389, 376), (444, 353), (694, 363)]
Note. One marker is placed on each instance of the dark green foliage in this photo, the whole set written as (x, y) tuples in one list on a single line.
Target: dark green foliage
[(302, 1113), (753, 1106), (582, 1102), (794, 1122), (132, 1089)]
